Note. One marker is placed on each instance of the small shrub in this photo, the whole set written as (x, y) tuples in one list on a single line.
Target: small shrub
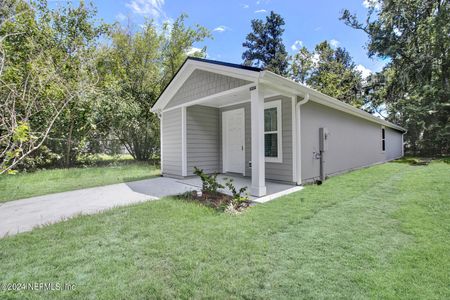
[(209, 182), (239, 196)]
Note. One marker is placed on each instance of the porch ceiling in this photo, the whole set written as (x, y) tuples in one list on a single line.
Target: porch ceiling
[(228, 99)]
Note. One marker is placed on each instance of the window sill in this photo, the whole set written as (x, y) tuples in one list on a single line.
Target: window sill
[(274, 160)]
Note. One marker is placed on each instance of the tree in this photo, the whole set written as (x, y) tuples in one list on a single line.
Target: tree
[(302, 65), (265, 46), (330, 71), (415, 38), (135, 68), (42, 72)]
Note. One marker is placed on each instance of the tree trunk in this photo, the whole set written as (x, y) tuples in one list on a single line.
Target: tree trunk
[(69, 145)]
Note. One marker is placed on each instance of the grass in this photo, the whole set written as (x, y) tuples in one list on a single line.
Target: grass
[(43, 182), (380, 232)]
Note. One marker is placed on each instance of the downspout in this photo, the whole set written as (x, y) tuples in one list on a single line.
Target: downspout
[(299, 138)]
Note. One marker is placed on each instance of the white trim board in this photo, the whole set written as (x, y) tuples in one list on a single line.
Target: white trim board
[(183, 143), (274, 196)]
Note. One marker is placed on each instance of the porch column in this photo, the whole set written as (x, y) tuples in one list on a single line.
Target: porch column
[(257, 136)]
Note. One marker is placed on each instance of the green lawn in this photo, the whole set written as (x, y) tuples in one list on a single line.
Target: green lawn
[(23, 185), (381, 232)]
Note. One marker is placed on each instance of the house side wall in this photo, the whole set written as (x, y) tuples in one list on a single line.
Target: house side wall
[(274, 171), (171, 142), (203, 83), (353, 142), (202, 138)]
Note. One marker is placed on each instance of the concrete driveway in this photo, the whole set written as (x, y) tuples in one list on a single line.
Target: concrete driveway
[(23, 215)]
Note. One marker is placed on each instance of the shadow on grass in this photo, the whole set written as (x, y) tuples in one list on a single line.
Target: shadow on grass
[(414, 161), (421, 161)]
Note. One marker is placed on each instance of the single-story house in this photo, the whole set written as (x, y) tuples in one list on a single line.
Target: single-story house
[(229, 118)]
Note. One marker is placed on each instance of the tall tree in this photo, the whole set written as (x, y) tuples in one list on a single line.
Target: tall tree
[(330, 71), (44, 69), (265, 46), (135, 68), (415, 37), (302, 65)]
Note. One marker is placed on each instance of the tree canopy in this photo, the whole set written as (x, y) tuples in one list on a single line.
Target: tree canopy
[(265, 46), (414, 87)]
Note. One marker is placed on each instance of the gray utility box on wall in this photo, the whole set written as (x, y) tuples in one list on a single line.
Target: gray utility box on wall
[(323, 139), (323, 147)]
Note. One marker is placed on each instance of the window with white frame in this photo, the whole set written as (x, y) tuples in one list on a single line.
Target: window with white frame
[(272, 131), (383, 139)]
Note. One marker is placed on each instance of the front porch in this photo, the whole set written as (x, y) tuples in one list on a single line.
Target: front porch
[(225, 119), (273, 189)]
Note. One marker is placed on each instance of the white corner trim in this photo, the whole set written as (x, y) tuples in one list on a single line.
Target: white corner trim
[(183, 142), (276, 104), (270, 197), (161, 151)]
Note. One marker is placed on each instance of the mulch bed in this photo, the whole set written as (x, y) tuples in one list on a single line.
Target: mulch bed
[(218, 201)]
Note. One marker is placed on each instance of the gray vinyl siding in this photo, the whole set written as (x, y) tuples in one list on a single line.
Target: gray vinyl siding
[(203, 83), (202, 138), (274, 171), (353, 142), (171, 142)]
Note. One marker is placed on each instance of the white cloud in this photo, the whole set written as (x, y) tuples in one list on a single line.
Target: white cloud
[(372, 3), (245, 6), (221, 28), (315, 58), (121, 17), (334, 43), (297, 45), (151, 8), (193, 50), (260, 11), (365, 72)]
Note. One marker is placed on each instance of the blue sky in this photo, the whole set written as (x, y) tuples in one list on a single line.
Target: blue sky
[(308, 22)]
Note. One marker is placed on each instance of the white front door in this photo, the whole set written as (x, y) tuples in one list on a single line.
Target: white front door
[(233, 141)]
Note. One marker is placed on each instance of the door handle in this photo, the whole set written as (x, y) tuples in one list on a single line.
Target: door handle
[(242, 148)]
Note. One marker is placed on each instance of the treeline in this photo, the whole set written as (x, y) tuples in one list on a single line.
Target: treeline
[(71, 84), (412, 90)]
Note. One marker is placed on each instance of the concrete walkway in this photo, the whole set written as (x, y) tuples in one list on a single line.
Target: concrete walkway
[(23, 215)]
